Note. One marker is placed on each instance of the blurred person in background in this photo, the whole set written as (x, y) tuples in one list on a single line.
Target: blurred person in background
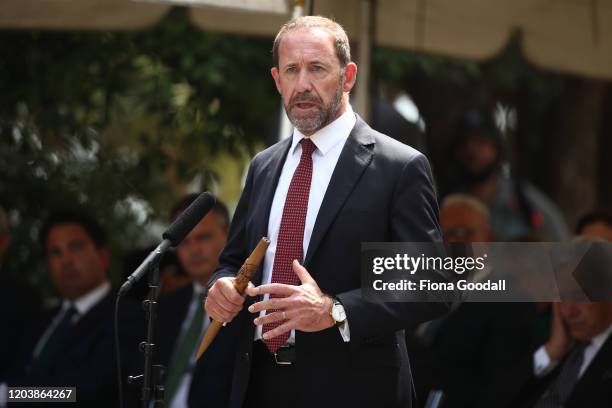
[(182, 319), (464, 218), (596, 224), (462, 352), (19, 303), (171, 275), (573, 368), (73, 343), (516, 206)]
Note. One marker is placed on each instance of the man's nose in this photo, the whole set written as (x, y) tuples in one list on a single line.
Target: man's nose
[(66, 258), (304, 83)]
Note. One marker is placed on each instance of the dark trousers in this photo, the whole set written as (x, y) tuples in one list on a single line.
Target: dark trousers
[(270, 385)]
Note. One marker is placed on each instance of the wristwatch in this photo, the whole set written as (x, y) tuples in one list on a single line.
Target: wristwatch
[(337, 312)]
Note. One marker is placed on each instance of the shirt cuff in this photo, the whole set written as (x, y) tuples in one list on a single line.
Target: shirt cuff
[(345, 332), (542, 363)]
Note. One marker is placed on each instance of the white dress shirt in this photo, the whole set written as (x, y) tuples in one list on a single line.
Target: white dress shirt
[(329, 142), (181, 396), (543, 364), (82, 306)]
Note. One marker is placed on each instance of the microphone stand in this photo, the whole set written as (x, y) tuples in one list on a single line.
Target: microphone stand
[(152, 385)]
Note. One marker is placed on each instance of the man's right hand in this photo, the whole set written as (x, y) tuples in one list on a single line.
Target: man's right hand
[(560, 341), (224, 302)]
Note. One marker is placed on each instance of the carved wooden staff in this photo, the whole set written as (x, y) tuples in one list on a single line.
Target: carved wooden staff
[(241, 282)]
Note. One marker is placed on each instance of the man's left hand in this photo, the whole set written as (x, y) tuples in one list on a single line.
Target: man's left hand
[(302, 307)]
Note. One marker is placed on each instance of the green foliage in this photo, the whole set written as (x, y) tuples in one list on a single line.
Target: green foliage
[(121, 122)]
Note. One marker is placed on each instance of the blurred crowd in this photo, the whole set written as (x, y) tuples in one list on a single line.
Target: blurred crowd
[(73, 342), (480, 355)]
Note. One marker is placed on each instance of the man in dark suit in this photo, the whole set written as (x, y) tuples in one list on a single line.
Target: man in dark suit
[(463, 351), (308, 337), (20, 303), (573, 368), (73, 344), (182, 320)]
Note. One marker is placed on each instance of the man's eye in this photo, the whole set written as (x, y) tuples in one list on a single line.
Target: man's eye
[(291, 69), (316, 68)]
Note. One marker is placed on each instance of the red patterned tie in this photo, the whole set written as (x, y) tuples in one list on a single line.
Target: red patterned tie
[(291, 233)]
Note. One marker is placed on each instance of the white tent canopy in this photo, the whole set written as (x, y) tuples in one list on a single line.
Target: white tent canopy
[(573, 36)]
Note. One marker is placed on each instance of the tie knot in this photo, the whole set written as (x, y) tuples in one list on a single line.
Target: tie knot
[(582, 345), (307, 147), (70, 313)]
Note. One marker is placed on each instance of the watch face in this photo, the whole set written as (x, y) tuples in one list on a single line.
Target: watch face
[(338, 313)]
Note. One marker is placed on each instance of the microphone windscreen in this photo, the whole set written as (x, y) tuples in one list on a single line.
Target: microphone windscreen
[(179, 229)]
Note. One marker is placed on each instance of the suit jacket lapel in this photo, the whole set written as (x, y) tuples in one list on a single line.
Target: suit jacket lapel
[(92, 318), (270, 174), (597, 372), (354, 159)]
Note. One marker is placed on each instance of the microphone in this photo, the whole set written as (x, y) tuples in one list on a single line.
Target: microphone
[(173, 236)]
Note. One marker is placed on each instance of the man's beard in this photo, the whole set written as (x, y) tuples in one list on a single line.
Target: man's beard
[(323, 115)]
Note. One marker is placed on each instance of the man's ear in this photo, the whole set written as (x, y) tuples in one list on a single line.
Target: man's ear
[(276, 76), (350, 76)]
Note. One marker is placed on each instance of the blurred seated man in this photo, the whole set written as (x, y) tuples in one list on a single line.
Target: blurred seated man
[(464, 218), (171, 275), (182, 317), (460, 353), (573, 368), (19, 303), (596, 224), (73, 344)]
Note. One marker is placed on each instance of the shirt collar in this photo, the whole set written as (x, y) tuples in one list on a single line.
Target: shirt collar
[(328, 137), (600, 339), (198, 289), (88, 300)]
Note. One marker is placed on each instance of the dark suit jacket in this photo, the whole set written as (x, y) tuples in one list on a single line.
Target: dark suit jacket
[(519, 388), (381, 190), (212, 375), (471, 347), (172, 310), (211, 384), (86, 360), (20, 305)]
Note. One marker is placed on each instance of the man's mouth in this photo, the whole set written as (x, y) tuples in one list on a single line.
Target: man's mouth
[(69, 274), (197, 261), (304, 105)]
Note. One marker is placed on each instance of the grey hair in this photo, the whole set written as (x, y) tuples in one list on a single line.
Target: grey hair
[(468, 201), (341, 42)]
